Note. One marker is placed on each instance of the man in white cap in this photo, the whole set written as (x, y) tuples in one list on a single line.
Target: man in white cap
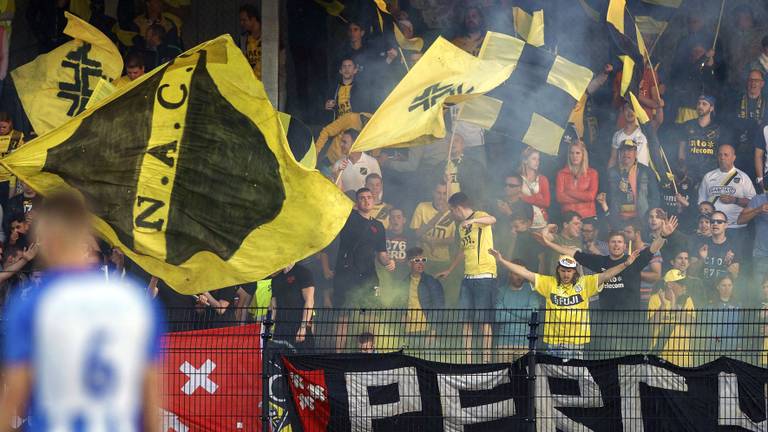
[(566, 324)]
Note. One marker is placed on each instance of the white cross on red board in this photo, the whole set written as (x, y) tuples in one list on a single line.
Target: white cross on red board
[(198, 377)]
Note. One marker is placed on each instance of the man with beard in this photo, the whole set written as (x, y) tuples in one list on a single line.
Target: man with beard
[(566, 323), (699, 141)]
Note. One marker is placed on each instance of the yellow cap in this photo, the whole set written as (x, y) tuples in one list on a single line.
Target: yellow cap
[(567, 261), (674, 275)]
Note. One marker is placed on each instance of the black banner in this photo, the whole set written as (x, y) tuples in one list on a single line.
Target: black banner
[(399, 393)]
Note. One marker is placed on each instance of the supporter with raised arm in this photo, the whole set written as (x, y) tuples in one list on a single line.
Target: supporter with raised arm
[(671, 313), (478, 288), (624, 291), (352, 170), (630, 131), (566, 323), (577, 183)]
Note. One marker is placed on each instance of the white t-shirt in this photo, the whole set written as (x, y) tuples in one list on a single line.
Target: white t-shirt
[(643, 155), (353, 176), (712, 185)]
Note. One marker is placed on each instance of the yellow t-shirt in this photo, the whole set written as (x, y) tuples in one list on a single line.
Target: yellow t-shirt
[(475, 240), (123, 80), (452, 171), (343, 104), (253, 54), (381, 213), (445, 228), (415, 319), (567, 318), (677, 348)]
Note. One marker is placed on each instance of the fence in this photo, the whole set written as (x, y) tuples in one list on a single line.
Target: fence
[(461, 338)]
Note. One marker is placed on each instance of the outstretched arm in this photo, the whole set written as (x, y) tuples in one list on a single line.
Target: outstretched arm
[(514, 268), (548, 239), (613, 271)]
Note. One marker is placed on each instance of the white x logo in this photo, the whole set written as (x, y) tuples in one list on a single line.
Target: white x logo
[(199, 377)]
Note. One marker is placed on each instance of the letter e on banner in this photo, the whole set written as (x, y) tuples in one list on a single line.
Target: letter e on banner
[(548, 417), (455, 416), (360, 385)]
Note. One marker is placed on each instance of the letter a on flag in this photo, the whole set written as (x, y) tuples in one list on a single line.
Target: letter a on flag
[(187, 169), (56, 86)]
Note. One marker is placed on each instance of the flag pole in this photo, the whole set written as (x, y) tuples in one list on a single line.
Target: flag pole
[(405, 62), (719, 19)]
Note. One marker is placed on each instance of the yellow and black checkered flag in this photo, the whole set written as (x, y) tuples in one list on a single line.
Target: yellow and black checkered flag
[(188, 171), (534, 104)]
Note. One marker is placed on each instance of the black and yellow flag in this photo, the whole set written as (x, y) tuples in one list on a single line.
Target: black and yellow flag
[(445, 74), (528, 17), (653, 16), (628, 41), (188, 171), (56, 86), (534, 104), (300, 140)]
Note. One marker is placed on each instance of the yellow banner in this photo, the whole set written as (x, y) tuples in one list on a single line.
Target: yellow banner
[(188, 171), (56, 86)]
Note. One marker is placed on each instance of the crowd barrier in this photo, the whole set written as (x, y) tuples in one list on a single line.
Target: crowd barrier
[(213, 365)]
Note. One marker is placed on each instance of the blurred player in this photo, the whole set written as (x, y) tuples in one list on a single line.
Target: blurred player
[(81, 353)]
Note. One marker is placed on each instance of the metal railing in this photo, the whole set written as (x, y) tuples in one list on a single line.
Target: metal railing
[(680, 337)]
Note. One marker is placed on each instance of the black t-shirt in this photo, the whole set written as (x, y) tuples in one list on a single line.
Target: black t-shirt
[(360, 241), (286, 290), (623, 290), (701, 146), (715, 265)]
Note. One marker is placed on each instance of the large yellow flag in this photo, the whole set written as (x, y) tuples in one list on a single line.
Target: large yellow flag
[(415, 107), (56, 86), (187, 169)]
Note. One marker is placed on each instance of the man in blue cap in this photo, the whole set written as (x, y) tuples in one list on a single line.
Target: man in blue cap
[(699, 140)]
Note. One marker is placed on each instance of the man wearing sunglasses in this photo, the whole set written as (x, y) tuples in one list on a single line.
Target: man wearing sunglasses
[(425, 298), (719, 255)]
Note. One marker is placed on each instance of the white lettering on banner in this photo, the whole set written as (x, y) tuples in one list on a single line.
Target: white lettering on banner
[(548, 415), (455, 416), (630, 377), (729, 411), (199, 377), (362, 413)]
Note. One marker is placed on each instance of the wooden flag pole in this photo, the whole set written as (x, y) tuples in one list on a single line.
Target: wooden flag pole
[(719, 19), (405, 62)]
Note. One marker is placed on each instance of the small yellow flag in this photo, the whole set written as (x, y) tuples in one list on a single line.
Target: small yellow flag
[(56, 86), (415, 107), (640, 113)]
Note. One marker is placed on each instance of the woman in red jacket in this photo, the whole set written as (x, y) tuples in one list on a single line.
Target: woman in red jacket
[(577, 183), (535, 187)]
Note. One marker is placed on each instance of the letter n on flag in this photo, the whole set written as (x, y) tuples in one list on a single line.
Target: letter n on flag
[(212, 371)]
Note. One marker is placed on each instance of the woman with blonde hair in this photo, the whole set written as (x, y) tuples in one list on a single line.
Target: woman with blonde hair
[(576, 183), (535, 186)]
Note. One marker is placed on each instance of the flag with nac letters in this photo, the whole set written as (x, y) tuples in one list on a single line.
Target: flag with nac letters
[(188, 171), (415, 107), (56, 86)]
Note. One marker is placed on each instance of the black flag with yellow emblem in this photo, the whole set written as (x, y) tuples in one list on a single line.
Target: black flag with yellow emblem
[(187, 169)]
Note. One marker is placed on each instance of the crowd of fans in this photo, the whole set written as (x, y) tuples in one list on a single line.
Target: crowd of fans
[(494, 228)]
